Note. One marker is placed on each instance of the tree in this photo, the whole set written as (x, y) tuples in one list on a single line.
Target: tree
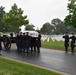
[(47, 28), (59, 27), (30, 27), (3, 26), (70, 19), (14, 18)]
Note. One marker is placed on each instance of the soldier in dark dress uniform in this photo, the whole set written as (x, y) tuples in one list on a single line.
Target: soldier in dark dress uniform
[(17, 41), (11, 34), (27, 42), (24, 42), (33, 44), (0, 44), (66, 43), (73, 38), (38, 42), (20, 41)]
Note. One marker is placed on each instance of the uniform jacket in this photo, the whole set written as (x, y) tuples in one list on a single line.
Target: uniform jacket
[(66, 37)]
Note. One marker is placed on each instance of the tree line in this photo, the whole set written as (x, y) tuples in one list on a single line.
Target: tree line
[(68, 25), (12, 20), (56, 27)]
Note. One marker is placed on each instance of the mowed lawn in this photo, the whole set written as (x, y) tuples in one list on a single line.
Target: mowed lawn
[(53, 44), (59, 45), (10, 67)]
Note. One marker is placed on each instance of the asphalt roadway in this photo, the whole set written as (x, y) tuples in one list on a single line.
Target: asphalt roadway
[(47, 58)]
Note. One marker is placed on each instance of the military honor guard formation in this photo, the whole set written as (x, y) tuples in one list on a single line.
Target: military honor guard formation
[(26, 43), (67, 42)]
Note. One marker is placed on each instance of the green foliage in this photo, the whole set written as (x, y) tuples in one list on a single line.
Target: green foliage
[(14, 18), (47, 28), (70, 19), (3, 26), (9, 67), (58, 26), (30, 27)]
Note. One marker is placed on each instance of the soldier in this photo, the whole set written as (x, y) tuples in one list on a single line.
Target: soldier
[(0, 44), (28, 38), (33, 44), (23, 42), (73, 38), (17, 41), (11, 34), (66, 43), (38, 42), (20, 42)]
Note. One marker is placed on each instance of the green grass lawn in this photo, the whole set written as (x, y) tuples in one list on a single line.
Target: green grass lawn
[(54, 45), (10, 67)]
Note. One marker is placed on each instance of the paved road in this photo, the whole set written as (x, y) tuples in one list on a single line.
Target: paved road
[(49, 58)]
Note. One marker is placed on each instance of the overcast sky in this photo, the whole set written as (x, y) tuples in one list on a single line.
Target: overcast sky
[(39, 11)]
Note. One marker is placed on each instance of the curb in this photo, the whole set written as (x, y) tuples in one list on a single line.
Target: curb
[(37, 66)]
